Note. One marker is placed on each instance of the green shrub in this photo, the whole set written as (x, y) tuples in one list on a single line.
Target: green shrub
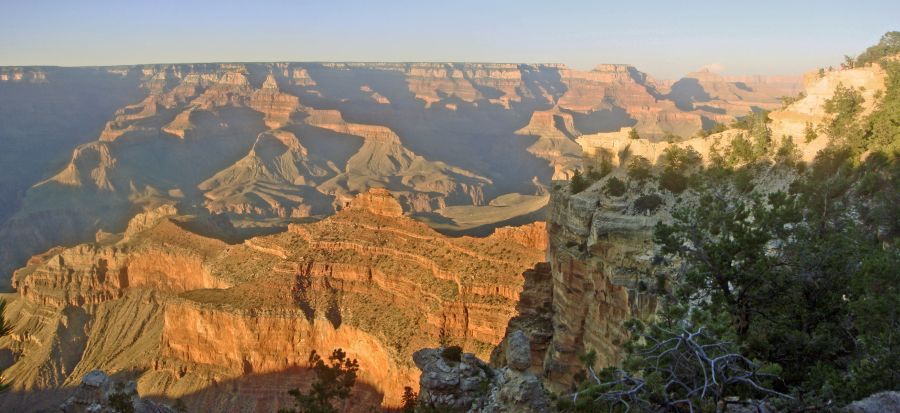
[(333, 384), (741, 150), (648, 203), (639, 168), (743, 180), (809, 133), (845, 107), (452, 353), (578, 182), (788, 152), (680, 158), (633, 134), (614, 187), (673, 181), (672, 138), (594, 175), (888, 46), (410, 400), (120, 402), (716, 128)]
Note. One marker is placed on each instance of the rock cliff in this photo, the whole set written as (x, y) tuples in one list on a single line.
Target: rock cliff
[(269, 143), (600, 249), (467, 384), (150, 303)]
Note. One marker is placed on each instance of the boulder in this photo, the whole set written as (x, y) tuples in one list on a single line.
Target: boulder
[(883, 402), (518, 351)]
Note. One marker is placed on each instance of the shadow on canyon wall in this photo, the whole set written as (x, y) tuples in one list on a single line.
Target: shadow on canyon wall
[(253, 392)]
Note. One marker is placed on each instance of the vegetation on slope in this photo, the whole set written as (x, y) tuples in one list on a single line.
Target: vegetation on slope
[(333, 384), (798, 289)]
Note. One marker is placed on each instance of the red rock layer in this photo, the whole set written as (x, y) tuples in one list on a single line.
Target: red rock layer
[(368, 280)]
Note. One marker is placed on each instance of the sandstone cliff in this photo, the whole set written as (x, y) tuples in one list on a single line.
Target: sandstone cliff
[(601, 254), (269, 143), (149, 305)]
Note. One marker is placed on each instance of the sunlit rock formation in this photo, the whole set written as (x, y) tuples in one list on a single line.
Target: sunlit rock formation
[(150, 303), (218, 136)]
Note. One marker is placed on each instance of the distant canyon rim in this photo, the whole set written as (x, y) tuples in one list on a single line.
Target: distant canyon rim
[(152, 212)]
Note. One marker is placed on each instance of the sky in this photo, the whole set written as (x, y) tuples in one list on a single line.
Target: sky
[(663, 38)]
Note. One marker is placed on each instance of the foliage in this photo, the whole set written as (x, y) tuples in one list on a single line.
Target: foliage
[(599, 164), (717, 127), (578, 182), (747, 122), (787, 152), (809, 133), (594, 175), (740, 151), (756, 125), (648, 203), (742, 180), (883, 125), (614, 187), (845, 107), (680, 158), (452, 353), (633, 134), (726, 242), (639, 168), (761, 134), (797, 278), (673, 181), (888, 45), (789, 100), (333, 383), (675, 369), (410, 400), (119, 401), (672, 138)]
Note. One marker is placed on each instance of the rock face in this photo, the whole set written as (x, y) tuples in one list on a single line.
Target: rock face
[(887, 401), (470, 385), (518, 351), (533, 235), (152, 302), (378, 201), (449, 384), (600, 246), (597, 257), (270, 142)]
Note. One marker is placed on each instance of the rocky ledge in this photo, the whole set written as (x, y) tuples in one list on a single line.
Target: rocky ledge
[(463, 383)]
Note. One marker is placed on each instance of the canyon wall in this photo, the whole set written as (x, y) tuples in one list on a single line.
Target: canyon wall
[(602, 259), (229, 327), (267, 144)]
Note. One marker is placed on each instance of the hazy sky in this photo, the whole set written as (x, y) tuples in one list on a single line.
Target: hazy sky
[(663, 38)]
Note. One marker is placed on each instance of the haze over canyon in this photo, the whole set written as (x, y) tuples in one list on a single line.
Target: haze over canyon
[(478, 237)]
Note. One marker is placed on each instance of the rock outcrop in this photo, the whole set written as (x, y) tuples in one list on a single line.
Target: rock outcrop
[(269, 143), (600, 246), (886, 401), (470, 385), (153, 302)]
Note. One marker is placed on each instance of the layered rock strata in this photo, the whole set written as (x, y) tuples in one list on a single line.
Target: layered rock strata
[(152, 302), (269, 143)]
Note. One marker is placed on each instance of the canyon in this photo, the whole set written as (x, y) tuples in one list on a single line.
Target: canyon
[(150, 303), (268, 144), (269, 210)]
